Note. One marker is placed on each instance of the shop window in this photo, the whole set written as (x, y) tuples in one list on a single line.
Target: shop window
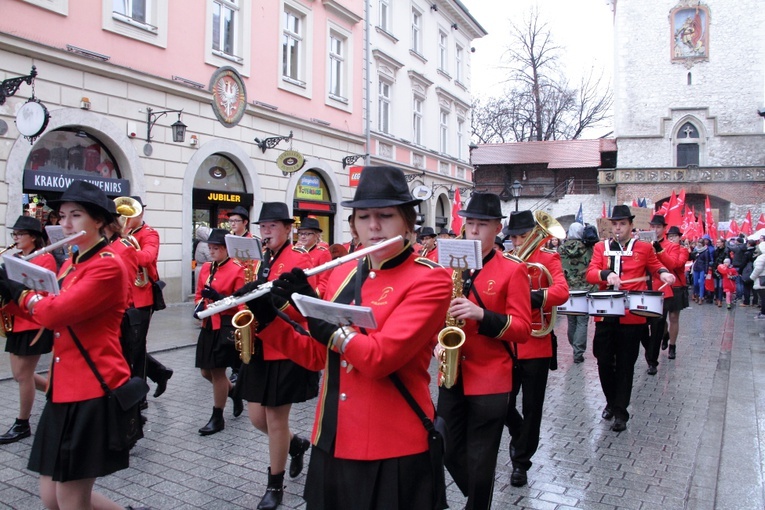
[(219, 173)]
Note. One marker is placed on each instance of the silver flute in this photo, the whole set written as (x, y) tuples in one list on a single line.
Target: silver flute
[(54, 246), (231, 301)]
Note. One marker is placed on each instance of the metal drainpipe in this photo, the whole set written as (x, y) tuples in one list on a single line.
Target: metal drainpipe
[(367, 77)]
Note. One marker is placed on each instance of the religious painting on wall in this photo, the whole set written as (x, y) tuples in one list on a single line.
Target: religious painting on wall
[(690, 33)]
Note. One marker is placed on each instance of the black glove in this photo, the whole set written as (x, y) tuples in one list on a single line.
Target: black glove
[(210, 293), (657, 247), (9, 289), (320, 330), (293, 282), (249, 287), (537, 298), (263, 309), (200, 306)]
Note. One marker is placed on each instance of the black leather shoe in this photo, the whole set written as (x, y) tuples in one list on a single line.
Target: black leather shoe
[(164, 376), (238, 404), (651, 370), (143, 405), (518, 478), (672, 352), (17, 432), (619, 425), (216, 423), (274, 492), (665, 342), (607, 414), (298, 447)]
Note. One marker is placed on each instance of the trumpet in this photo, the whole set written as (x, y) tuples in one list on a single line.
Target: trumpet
[(546, 227), (231, 301)]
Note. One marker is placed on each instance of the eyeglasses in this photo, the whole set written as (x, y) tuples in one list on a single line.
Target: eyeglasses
[(16, 235)]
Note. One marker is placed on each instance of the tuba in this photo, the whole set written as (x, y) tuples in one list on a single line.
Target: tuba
[(243, 341), (546, 227), (129, 208), (451, 339)]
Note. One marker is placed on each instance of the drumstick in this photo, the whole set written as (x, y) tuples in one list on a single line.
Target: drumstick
[(665, 284)]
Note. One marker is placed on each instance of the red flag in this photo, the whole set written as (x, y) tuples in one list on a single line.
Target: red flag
[(761, 221), (634, 203), (746, 225), (689, 225), (709, 219), (603, 214), (733, 229), (674, 216), (456, 218), (663, 209)]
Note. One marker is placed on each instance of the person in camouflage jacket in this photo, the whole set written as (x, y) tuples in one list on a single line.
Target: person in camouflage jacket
[(575, 257)]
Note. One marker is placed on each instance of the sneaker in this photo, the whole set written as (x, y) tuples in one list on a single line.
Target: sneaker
[(760, 317), (728, 306)]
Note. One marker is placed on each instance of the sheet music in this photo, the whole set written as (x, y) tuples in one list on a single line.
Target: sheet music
[(460, 253), (55, 233), (244, 248), (31, 275), (335, 313)]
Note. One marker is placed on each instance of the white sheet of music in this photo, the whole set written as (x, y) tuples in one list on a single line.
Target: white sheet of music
[(460, 253), (335, 313), (55, 233), (31, 275), (244, 248)]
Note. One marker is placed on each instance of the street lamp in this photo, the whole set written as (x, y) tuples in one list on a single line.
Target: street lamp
[(516, 191)]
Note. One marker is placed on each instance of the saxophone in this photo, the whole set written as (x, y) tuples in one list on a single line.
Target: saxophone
[(243, 319), (451, 339)]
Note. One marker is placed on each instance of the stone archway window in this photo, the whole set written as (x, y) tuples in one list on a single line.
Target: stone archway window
[(72, 151), (442, 210), (687, 149), (219, 173)]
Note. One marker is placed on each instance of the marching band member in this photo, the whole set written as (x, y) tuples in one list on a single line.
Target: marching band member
[(71, 446), (496, 312), (309, 233), (27, 340), (215, 345), (239, 219), (271, 382), (429, 244), (534, 355), (617, 340), (679, 291), (143, 296), (361, 457)]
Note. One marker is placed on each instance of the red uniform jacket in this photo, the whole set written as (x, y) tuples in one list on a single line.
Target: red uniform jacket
[(148, 239), (554, 295), (485, 364), (283, 262), (127, 255), (728, 277), (642, 261), (21, 320), (409, 297), (228, 277), (433, 254), (90, 303), (320, 255)]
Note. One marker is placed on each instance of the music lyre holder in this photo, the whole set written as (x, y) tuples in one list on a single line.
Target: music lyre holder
[(10, 86)]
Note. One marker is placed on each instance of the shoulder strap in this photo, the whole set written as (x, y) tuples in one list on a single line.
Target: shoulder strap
[(426, 422), (89, 361)]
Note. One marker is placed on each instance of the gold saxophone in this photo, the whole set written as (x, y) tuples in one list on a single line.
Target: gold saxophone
[(6, 320), (128, 208), (243, 320), (451, 339)]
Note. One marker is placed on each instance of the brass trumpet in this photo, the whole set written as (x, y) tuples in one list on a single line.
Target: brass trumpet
[(546, 227)]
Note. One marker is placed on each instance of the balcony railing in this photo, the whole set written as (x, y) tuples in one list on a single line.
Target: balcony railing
[(610, 177)]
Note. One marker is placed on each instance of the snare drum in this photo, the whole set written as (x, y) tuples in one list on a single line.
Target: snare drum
[(609, 303), (576, 304), (646, 303)]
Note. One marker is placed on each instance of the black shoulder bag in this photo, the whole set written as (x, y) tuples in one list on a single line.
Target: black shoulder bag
[(124, 427)]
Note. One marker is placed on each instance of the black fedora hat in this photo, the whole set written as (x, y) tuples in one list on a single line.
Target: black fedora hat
[(275, 211), (621, 212), (427, 232), (520, 222), (138, 199), (217, 236), (240, 211), (483, 206), (674, 231), (443, 231), (310, 224), (29, 224), (658, 219), (381, 186), (84, 192)]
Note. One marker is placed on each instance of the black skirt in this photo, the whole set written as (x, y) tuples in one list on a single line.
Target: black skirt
[(276, 383), (71, 442), (400, 483), (215, 347), (19, 343)]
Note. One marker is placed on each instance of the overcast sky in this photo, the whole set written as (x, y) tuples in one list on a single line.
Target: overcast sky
[(583, 28)]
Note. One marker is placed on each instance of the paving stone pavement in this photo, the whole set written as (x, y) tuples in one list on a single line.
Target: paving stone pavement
[(694, 440)]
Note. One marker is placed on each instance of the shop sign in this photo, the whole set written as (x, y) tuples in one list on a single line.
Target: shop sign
[(309, 188), (206, 196), (40, 180), (290, 161), (354, 174)]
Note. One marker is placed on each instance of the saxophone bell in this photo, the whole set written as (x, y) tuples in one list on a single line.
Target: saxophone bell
[(243, 342)]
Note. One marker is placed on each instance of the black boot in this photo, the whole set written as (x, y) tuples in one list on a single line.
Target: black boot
[(298, 447), (216, 423), (238, 404), (162, 377), (274, 493), (18, 431)]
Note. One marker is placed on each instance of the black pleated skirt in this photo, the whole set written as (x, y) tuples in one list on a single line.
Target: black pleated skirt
[(215, 347), (402, 483), (20, 343), (71, 442), (276, 383)]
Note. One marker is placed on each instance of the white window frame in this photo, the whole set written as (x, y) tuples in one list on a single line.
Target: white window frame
[(384, 93), (443, 50), (386, 17), (57, 6), (460, 138), (459, 62), (301, 85), (232, 7), (241, 57), (443, 139), (294, 72), (417, 109), (152, 31), (416, 31), (342, 101)]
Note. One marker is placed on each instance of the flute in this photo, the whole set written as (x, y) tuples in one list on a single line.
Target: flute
[(54, 246), (231, 301)]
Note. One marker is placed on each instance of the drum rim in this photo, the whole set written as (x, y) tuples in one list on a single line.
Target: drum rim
[(605, 294), (656, 293)]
